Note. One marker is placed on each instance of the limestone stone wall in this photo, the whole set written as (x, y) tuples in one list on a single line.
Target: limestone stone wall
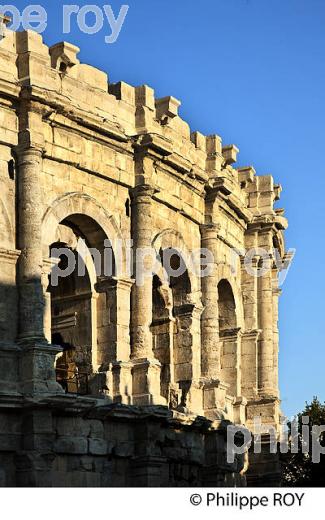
[(113, 446), (86, 164)]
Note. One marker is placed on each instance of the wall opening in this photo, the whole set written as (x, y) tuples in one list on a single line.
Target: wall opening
[(228, 332), (161, 333), (71, 327), (83, 306)]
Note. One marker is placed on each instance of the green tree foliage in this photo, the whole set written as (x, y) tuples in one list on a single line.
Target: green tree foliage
[(298, 469)]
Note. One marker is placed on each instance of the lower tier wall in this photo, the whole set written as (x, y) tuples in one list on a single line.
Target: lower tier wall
[(69, 442)]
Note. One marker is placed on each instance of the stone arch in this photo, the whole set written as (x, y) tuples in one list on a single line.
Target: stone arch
[(226, 306), (82, 204), (172, 239), (162, 331), (278, 243), (80, 215), (169, 238), (230, 316), (66, 237), (184, 337), (226, 273)]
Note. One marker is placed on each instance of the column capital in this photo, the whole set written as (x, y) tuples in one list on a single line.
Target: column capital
[(210, 229), (112, 282), (188, 309), (230, 334), (28, 154), (255, 259), (48, 264), (9, 255), (143, 193), (252, 334), (214, 382)]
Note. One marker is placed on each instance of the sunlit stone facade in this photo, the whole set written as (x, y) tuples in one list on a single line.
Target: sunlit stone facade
[(104, 380)]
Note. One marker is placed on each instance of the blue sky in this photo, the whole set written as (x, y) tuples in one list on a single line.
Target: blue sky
[(252, 71)]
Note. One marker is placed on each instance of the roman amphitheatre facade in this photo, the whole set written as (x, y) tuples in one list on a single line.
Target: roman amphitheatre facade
[(105, 381)]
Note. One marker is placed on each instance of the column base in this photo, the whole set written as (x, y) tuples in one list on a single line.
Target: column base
[(239, 408), (262, 414), (37, 368), (146, 383), (113, 381), (192, 397), (122, 382), (267, 392), (186, 397), (215, 398)]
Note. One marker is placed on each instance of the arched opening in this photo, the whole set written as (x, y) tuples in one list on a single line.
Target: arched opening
[(228, 332), (227, 307), (96, 240), (71, 325), (161, 332), (174, 335), (83, 309), (183, 334)]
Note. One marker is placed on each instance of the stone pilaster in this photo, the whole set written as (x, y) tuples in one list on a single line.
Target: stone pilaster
[(276, 291), (31, 315), (188, 355), (37, 356), (48, 264), (249, 362), (195, 328), (209, 321), (266, 342), (251, 335), (142, 291), (118, 291), (231, 360), (249, 289), (146, 369)]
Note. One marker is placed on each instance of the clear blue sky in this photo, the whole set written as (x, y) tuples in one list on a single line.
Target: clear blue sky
[(252, 71)]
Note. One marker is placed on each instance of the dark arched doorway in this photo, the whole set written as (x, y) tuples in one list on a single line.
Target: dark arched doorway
[(229, 338)]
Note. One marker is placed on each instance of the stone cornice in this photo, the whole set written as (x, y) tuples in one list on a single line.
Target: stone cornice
[(114, 115), (251, 334), (8, 88), (222, 186), (147, 143), (179, 163), (107, 283), (58, 103), (59, 120), (179, 210), (230, 334), (193, 182), (263, 223)]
